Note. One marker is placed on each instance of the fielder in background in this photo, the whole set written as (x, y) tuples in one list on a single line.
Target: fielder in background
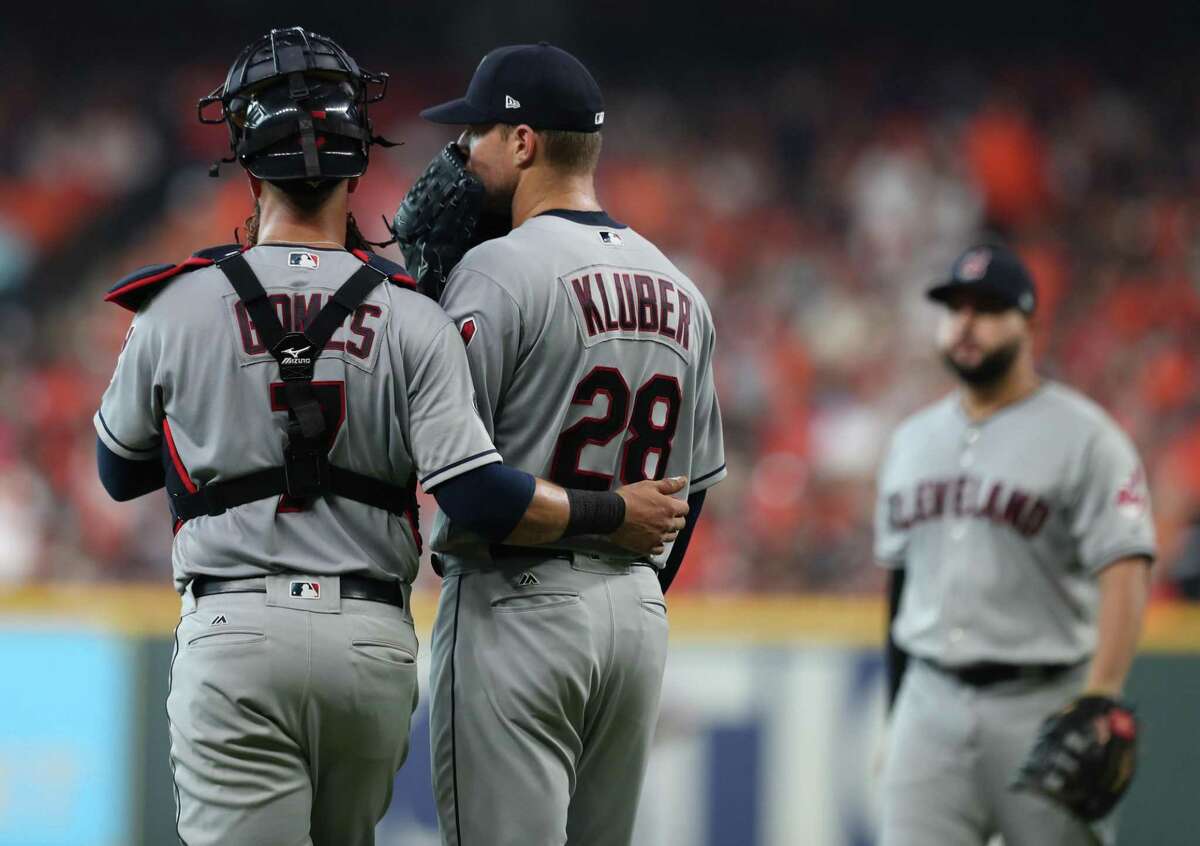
[(1014, 518), (290, 395), (591, 355)]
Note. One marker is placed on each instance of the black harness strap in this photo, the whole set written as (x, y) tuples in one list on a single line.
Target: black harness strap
[(306, 471), (217, 498), (254, 297)]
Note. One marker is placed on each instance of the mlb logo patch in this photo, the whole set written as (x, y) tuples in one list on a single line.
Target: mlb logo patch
[(307, 261), (612, 239), (306, 590)]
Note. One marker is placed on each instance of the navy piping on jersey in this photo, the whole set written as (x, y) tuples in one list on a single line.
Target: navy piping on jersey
[(152, 450), (453, 712), (452, 465), (587, 218), (707, 476)]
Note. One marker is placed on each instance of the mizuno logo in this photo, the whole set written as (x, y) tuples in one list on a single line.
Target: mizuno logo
[(295, 351)]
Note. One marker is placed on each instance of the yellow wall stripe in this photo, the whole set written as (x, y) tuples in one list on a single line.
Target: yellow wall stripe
[(143, 609)]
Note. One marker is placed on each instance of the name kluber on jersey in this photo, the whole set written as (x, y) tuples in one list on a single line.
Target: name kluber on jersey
[(612, 302)]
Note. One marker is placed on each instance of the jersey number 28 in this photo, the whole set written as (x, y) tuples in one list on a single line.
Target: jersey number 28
[(651, 424)]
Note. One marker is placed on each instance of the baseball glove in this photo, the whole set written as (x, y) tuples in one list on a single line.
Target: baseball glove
[(1083, 757), (438, 221)]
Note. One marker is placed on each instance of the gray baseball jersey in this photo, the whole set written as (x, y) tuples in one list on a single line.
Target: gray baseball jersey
[(592, 360), (592, 356), (1002, 526), (193, 375)]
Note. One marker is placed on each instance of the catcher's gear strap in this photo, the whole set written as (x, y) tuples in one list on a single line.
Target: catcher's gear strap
[(317, 121), (139, 287), (306, 471), (396, 274)]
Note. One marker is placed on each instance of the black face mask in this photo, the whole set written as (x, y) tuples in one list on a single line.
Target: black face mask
[(991, 369)]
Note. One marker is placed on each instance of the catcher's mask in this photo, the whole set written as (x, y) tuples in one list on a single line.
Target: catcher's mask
[(296, 106)]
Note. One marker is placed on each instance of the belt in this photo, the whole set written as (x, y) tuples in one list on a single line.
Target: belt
[(503, 552), (500, 552), (988, 673), (352, 587)]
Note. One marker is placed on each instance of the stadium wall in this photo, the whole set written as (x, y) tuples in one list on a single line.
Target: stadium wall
[(770, 725)]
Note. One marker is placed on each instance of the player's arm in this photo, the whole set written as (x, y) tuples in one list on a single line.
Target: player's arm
[(708, 452), (1124, 588), (129, 421), (489, 323), (505, 505), (125, 479), (1112, 523), (675, 560), (891, 543), (895, 659)]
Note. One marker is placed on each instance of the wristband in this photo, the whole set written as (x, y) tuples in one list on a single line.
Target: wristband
[(594, 512)]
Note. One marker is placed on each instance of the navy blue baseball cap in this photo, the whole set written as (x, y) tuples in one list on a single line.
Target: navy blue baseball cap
[(993, 272), (535, 84)]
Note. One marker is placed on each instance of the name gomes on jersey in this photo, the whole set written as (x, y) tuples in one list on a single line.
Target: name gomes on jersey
[(968, 496), (612, 302), (297, 311)]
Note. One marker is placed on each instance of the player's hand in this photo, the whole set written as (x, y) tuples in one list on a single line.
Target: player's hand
[(653, 516)]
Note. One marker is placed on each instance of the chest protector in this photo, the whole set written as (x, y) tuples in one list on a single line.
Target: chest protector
[(306, 472)]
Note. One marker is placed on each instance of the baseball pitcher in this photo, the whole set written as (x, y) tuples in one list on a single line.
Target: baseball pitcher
[(591, 356)]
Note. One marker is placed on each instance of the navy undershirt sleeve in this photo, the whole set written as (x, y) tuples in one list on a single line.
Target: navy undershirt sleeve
[(125, 479), (490, 500), (675, 559)]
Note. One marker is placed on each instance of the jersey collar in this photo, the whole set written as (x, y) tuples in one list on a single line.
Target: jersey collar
[(587, 218)]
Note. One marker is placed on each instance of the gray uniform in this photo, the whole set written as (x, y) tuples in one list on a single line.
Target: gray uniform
[(592, 360), (1002, 527), (290, 710)]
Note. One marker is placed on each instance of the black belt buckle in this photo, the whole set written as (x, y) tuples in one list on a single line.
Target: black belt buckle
[(305, 472)]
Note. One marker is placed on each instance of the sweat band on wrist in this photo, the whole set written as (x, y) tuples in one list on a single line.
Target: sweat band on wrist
[(594, 512)]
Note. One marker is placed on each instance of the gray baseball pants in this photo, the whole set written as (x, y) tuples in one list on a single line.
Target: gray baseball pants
[(954, 750), (289, 717), (546, 681)]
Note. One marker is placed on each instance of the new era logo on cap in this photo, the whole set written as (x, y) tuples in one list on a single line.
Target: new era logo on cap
[(599, 118), (308, 261), (511, 102)]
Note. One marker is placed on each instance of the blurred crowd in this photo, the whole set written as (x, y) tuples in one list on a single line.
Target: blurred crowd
[(811, 206)]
